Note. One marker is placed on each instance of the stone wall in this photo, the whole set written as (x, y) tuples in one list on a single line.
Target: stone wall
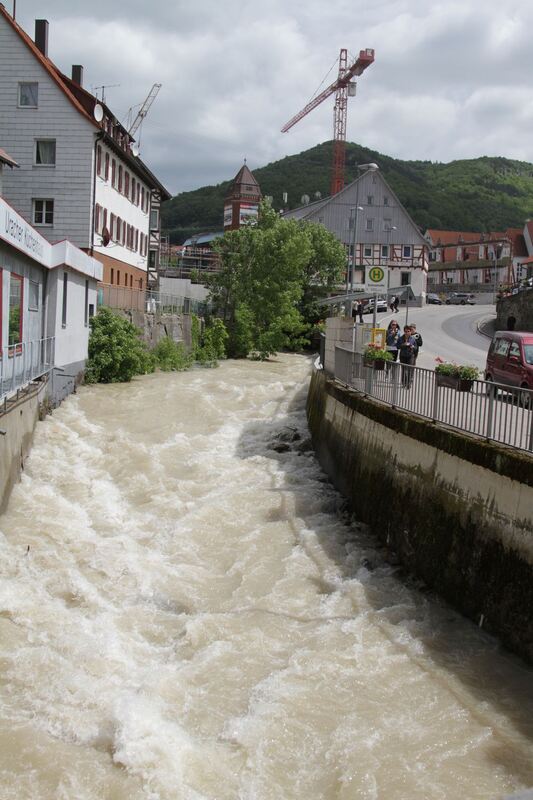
[(156, 326), (457, 511), (519, 306)]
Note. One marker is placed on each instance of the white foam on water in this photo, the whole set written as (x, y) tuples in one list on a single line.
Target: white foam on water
[(198, 618)]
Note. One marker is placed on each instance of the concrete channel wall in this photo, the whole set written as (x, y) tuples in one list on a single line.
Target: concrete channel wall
[(458, 511), (18, 418)]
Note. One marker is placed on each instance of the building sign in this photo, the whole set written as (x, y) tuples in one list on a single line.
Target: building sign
[(248, 213), (377, 279), (228, 215), (15, 230)]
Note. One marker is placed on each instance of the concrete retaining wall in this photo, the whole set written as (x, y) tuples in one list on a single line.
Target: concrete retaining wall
[(18, 421), (458, 511)]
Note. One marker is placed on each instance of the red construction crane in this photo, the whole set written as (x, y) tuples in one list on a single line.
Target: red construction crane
[(343, 88)]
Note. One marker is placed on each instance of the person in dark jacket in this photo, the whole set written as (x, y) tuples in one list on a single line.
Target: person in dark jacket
[(406, 349), (393, 334), (418, 341)]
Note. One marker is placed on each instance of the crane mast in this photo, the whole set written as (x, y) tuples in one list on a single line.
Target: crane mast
[(342, 88)]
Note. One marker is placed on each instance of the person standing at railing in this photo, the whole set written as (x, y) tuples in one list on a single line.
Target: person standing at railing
[(418, 341), (393, 334), (406, 349)]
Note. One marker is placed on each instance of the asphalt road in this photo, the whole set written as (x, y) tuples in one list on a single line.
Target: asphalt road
[(448, 332)]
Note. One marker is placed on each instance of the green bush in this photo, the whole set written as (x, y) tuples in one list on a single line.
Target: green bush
[(116, 351), (171, 356)]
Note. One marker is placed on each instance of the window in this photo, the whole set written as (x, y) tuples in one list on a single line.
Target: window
[(502, 347), (407, 251), (112, 275), (106, 167), (514, 350), (127, 184), (385, 200), (43, 212), (112, 228), (120, 178), (15, 309), (369, 224), (367, 251), (86, 307), (387, 224), (28, 95), (142, 198), (118, 233), (385, 250), (98, 160), (97, 210), (104, 220), (133, 189), (118, 277), (406, 279), (131, 281), (125, 279), (136, 239), (45, 153), (113, 173), (154, 219), (138, 193), (370, 200), (33, 296), (64, 309)]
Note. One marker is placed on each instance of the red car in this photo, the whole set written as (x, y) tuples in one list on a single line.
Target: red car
[(510, 359)]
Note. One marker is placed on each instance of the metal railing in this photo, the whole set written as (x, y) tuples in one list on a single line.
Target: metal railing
[(22, 363), (148, 300), (496, 412)]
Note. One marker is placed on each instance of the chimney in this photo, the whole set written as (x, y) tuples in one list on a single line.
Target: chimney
[(41, 35), (77, 74)]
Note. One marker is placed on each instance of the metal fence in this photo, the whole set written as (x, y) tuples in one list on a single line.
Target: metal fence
[(493, 411), (148, 301), (24, 362)]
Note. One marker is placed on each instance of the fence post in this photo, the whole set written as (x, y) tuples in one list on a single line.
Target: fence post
[(530, 443), (492, 394), (435, 398)]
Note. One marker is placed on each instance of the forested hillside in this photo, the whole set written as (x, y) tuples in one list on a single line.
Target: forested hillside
[(479, 194)]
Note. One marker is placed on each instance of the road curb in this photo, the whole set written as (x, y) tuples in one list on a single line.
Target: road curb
[(486, 326)]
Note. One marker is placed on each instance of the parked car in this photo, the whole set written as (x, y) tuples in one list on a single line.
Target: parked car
[(510, 360), (382, 306), (433, 299), (460, 299)]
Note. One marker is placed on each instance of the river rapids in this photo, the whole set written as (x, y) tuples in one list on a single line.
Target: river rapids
[(197, 617)]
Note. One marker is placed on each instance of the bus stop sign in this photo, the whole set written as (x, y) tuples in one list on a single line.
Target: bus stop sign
[(377, 279)]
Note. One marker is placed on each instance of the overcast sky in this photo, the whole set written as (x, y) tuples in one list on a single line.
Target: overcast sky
[(450, 80)]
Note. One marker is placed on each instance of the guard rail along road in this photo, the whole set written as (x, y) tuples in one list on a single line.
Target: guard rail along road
[(492, 411)]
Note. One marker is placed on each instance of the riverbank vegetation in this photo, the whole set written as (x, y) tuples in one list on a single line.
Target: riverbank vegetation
[(272, 275), (117, 352)]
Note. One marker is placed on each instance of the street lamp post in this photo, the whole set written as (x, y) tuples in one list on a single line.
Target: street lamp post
[(497, 254), (350, 271)]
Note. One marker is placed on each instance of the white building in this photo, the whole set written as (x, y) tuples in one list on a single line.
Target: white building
[(79, 177), (48, 293), (376, 230)]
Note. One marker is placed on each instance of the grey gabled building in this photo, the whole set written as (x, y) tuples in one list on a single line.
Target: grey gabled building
[(382, 233)]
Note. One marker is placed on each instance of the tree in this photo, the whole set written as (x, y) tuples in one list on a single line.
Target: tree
[(270, 275)]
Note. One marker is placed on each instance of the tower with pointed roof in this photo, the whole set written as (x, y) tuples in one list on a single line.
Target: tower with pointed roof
[(241, 204)]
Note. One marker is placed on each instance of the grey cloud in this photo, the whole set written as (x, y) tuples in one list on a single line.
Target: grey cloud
[(451, 80)]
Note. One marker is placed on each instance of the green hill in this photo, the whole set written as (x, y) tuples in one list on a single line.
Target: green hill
[(479, 194)]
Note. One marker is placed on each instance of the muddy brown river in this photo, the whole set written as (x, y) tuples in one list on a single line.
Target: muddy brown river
[(198, 618)]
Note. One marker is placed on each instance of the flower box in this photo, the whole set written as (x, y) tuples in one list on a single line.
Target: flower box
[(454, 382)]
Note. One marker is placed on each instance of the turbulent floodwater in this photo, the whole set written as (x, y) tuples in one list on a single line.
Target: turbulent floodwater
[(196, 618)]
